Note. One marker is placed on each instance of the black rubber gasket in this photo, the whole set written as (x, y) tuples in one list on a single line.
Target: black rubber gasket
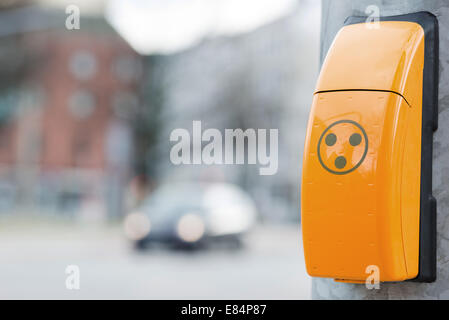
[(428, 215)]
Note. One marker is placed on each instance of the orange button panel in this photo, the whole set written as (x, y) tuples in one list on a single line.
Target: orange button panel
[(360, 192), (356, 191)]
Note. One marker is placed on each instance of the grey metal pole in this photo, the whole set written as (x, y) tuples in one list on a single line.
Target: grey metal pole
[(333, 16)]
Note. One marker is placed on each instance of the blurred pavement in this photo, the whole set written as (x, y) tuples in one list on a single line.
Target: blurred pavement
[(33, 258)]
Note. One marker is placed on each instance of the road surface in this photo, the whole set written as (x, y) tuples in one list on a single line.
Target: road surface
[(34, 257)]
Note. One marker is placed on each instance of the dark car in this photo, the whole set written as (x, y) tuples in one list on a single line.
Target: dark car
[(191, 215)]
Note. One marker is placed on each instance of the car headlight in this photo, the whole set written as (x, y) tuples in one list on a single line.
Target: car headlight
[(137, 226), (190, 227)]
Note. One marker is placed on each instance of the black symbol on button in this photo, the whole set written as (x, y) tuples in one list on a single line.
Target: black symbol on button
[(340, 154)]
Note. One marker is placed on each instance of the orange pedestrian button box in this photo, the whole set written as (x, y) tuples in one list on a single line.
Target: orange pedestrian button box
[(366, 191)]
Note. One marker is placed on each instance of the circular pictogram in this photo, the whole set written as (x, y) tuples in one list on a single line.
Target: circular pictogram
[(345, 147)]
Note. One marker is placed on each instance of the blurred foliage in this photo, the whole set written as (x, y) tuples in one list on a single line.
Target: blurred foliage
[(147, 125)]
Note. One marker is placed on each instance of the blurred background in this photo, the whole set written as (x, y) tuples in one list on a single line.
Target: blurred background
[(85, 172)]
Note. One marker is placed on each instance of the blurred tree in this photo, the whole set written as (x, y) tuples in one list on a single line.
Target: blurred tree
[(147, 124)]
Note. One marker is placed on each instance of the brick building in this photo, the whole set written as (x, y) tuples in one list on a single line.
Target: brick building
[(68, 127)]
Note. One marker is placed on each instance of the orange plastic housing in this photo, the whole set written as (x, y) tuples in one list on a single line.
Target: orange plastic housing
[(360, 191)]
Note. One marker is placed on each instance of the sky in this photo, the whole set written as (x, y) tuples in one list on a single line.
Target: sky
[(167, 26)]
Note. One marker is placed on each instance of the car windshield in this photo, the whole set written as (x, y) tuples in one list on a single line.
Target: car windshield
[(171, 199)]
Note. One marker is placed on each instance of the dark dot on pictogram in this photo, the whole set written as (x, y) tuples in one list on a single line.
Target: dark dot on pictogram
[(331, 139), (355, 139), (340, 162)]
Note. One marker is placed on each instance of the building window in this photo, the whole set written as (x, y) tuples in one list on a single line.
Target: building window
[(82, 104), (83, 65)]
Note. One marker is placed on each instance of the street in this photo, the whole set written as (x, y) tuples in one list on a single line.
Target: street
[(34, 257)]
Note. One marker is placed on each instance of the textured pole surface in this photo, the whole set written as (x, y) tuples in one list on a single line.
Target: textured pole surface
[(333, 16)]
